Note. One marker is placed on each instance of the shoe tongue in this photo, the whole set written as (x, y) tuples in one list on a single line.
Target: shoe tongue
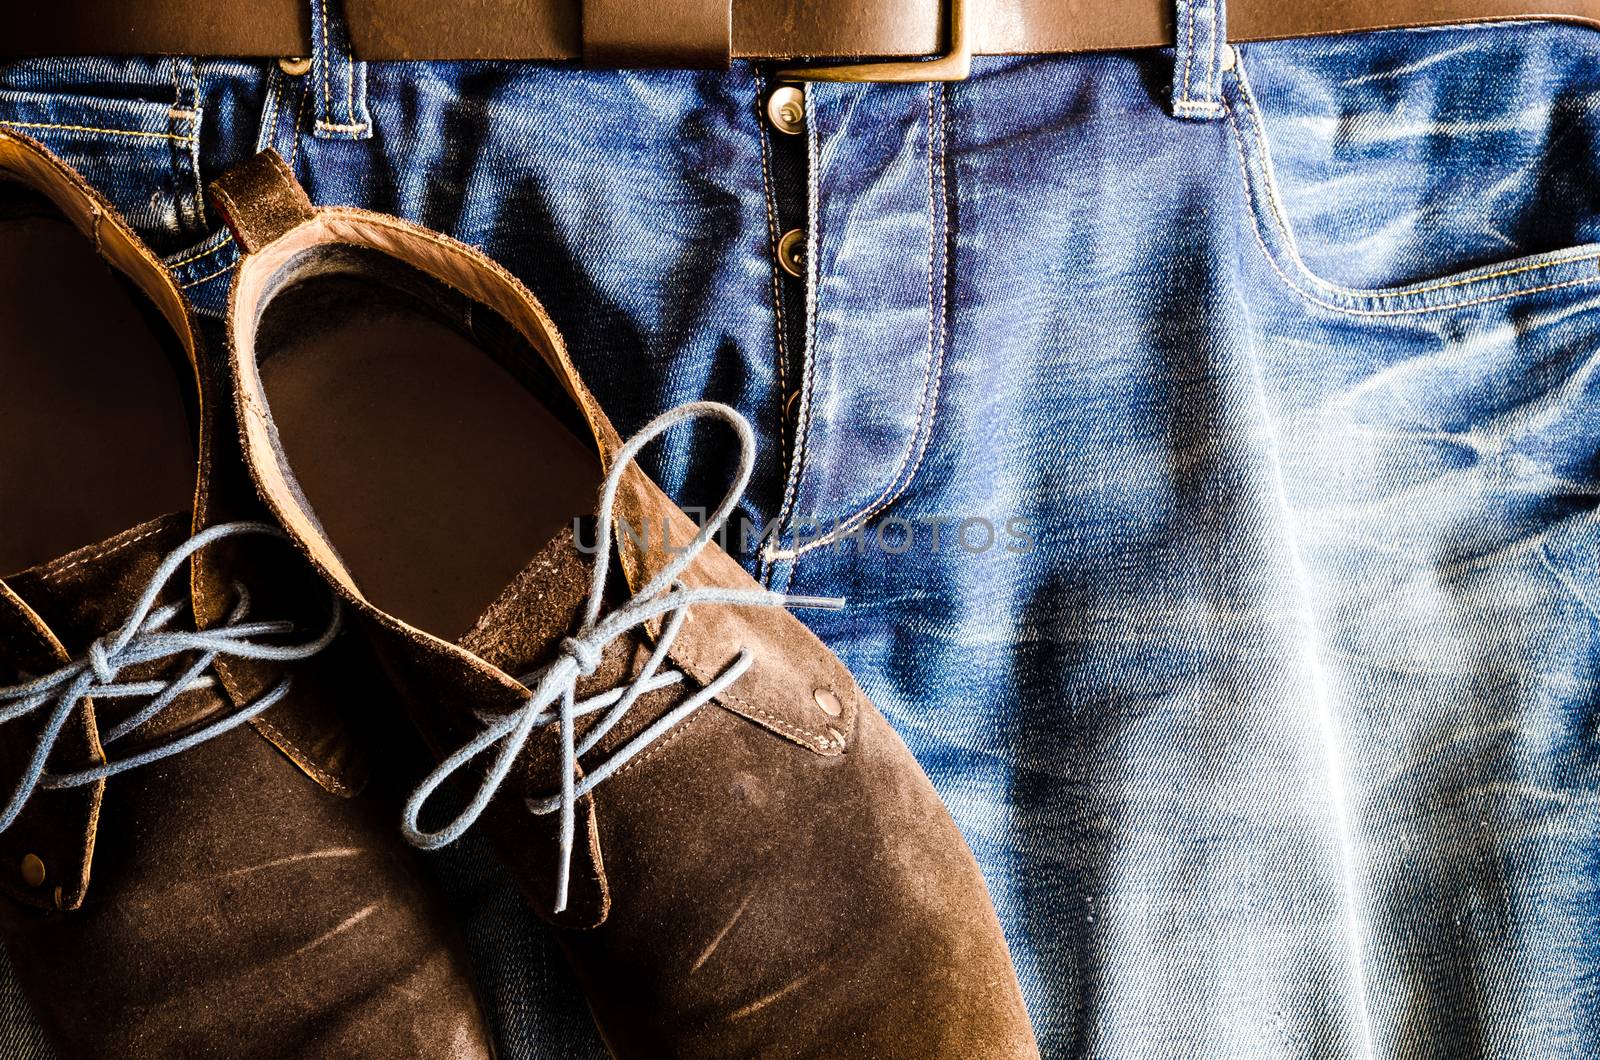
[(520, 629), (88, 593)]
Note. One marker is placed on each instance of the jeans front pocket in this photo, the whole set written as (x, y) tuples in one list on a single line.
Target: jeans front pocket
[(142, 154), (1420, 243), (1416, 171)]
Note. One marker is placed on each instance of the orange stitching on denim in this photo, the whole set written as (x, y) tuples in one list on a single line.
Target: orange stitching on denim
[(199, 206), (350, 124), (227, 237), (322, 61), (1468, 280), (211, 276), (350, 83), (299, 119), (95, 129)]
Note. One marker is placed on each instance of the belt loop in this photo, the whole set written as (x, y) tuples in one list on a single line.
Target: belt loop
[(338, 82), (1202, 37)]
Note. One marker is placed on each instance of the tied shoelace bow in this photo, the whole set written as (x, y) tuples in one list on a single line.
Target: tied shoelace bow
[(552, 690), (145, 638)]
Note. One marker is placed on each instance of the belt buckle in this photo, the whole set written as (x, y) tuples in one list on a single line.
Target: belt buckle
[(954, 65)]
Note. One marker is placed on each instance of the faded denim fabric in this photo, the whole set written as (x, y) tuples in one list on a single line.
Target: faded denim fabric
[(1275, 737)]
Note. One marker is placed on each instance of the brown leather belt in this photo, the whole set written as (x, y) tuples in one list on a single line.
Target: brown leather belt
[(697, 32)]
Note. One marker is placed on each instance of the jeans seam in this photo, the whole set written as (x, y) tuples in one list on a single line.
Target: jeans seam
[(807, 385), (1256, 188), (322, 66), (1549, 563), (227, 237), (326, 47), (294, 130), (94, 129), (186, 76), (770, 202), (1188, 47), (268, 134), (933, 374), (1185, 104), (208, 276), (282, 85), (349, 79)]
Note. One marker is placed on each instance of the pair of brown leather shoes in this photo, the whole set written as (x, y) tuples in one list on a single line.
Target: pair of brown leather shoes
[(742, 858)]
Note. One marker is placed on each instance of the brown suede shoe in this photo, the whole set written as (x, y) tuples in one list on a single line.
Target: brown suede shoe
[(245, 902), (745, 858)]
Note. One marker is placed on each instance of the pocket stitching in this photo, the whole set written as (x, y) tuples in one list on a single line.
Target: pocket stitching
[(1254, 192), (95, 129)]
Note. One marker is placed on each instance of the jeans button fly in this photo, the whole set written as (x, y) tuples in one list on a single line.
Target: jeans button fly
[(786, 109), (792, 252)]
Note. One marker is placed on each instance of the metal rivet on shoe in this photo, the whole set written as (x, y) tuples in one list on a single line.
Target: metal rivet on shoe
[(32, 870), (792, 252), (295, 67), (786, 110), (828, 702)]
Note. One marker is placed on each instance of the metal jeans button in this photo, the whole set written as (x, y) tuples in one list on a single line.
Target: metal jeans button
[(792, 252), (295, 67), (786, 109)]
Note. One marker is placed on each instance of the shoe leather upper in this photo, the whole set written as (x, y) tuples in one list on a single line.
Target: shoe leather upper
[(765, 879), (236, 899), (62, 823)]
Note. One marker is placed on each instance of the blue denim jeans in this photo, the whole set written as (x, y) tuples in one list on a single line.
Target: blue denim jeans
[(1267, 699)]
